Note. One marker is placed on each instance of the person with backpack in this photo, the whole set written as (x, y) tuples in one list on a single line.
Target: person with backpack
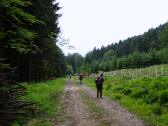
[(99, 85), (70, 76), (80, 78)]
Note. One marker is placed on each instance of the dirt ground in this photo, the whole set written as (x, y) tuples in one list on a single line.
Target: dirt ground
[(82, 108)]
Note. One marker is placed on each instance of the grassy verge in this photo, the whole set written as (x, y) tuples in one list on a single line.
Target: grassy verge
[(147, 97), (97, 112), (46, 96)]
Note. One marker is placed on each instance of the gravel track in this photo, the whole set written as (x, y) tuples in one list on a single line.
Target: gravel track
[(78, 114)]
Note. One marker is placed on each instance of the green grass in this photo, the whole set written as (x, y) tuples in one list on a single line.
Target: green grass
[(46, 96), (97, 112), (147, 97)]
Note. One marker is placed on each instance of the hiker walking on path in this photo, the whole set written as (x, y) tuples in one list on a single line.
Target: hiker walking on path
[(80, 78), (99, 85)]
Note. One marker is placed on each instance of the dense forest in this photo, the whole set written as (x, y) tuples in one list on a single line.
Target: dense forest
[(28, 51), (143, 50), (28, 39)]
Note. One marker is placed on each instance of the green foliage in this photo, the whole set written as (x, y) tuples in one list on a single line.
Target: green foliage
[(138, 92), (163, 96), (153, 97), (117, 88), (16, 2), (12, 107), (2, 35), (4, 66), (20, 16), (159, 85), (28, 32), (108, 87), (46, 96), (69, 70), (117, 96), (16, 34), (135, 52), (76, 61), (127, 91), (164, 37), (156, 108), (109, 55), (145, 96), (24, 33), (163, 54), (28, 37)]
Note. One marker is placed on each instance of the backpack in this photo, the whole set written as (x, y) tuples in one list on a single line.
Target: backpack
[(97, 81)]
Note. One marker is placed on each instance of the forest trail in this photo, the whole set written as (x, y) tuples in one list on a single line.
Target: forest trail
[(82, 108)]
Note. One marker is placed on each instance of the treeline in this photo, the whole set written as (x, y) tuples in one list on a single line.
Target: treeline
[(138, 51), (28, 51), (74, 63)]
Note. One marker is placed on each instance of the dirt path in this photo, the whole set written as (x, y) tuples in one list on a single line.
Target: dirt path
[(76, 112), (119, 116), (84, 109)]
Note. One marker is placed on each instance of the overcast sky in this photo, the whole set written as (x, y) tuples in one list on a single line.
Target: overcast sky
[(93, 23)]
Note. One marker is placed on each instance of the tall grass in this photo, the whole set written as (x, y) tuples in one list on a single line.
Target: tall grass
[(46, 96), (152, 71)]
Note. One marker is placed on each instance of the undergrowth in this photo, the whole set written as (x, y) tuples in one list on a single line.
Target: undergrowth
[(46, 96), (147, 97)]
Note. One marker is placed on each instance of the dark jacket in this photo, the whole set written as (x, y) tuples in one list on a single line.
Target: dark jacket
[(99, 82), (80, 77)]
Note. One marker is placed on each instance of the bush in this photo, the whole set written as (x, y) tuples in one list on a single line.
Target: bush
[(146, 79), (139, 92), (152, 97), (108, 86), (118, 88), (127, 91), (158, 85), (156, 108), (117, 96), (163, 97)]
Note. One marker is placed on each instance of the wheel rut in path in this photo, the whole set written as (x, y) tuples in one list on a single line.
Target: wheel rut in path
[(118, 115), (76, 111)]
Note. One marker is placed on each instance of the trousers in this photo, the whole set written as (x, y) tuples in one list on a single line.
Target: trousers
[(99, 92)]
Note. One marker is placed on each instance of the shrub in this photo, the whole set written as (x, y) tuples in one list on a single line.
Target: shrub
[(127, 91), (139, 92), (156, 108), (117, 96), (108, 86), (163, 97), (158, 85), (118, 88), (152, 97), (147, 79)]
